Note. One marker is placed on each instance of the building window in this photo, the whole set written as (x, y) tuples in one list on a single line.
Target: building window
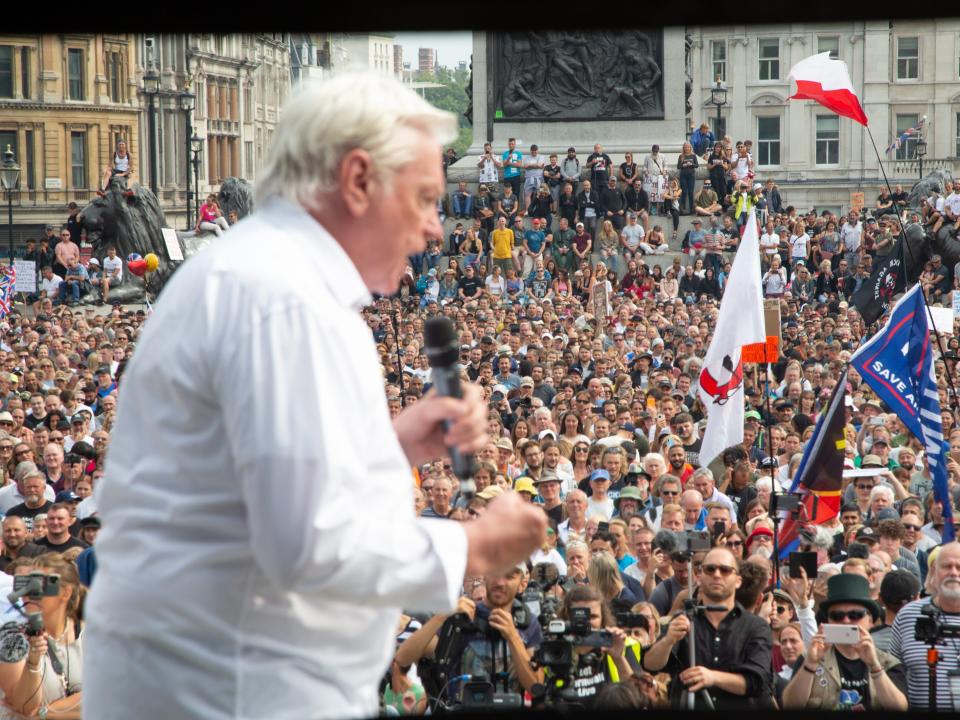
[(718, 58), (25, 72), (908, 148), (828, 140), (6, 71), (29, 160), (115, 75), (247, 104), (78, 160), (829, 44), (768, 141), (769, 58), (75, 74), (908, 58), (248, 151), (956, 139)]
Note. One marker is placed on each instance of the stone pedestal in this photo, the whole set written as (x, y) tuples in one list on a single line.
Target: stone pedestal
[(615, 130)]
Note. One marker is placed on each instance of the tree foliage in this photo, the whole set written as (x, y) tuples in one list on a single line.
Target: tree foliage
[(451, 97)]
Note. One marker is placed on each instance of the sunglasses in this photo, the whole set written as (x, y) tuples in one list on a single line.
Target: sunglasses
[(781, 609), (581, 449), (864, 486), (724, 570), (735, 543), (909, 526), (841, 615), (669, 492)]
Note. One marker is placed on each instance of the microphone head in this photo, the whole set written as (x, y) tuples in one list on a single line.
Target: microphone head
[(14, 645), (440, 342)]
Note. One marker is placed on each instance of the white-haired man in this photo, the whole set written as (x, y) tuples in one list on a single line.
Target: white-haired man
[(280, 608)]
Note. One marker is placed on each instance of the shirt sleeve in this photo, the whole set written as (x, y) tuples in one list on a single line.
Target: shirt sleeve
[(756, 661), (326, 512)]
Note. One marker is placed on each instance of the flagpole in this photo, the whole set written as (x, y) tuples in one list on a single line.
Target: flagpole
[(954, 400), (773, 480)]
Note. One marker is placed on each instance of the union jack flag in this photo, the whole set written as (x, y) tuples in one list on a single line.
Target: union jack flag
[(8, 288), (902, 137)]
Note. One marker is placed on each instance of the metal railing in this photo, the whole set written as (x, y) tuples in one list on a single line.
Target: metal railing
[(910, 169)]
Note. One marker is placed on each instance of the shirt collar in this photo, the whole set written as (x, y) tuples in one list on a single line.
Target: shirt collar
[(339, 272)]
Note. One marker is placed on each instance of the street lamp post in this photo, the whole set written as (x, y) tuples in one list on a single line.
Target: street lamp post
[(718, 97), (196, 144), (187, 99), (151, 88), (10, 178), (921, 151)]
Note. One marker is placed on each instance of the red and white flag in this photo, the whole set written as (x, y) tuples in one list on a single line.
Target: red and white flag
[(739, 323), (821, 78)]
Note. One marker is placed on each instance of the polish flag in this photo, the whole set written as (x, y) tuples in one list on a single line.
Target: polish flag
[(827, 81)]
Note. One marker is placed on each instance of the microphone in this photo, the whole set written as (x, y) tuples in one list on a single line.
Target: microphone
[(443, 351)]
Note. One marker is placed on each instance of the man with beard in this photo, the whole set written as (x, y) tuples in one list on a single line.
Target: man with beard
[(682, 424), (16, 542), (34, 503), (677, 457), (913, 653), (733, 646), (548, 487), (462, 637)]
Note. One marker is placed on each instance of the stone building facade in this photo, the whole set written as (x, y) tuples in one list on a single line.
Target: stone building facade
[(65, 101)]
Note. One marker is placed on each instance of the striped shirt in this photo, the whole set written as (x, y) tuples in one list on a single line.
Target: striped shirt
[(913, 655)]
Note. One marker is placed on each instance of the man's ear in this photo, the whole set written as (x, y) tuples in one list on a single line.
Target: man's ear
[(357, 182)]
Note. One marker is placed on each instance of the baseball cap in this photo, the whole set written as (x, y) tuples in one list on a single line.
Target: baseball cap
[(490, 492), (600, 474), (91, 521), (526, 381), (524, 484), (68, 496), (866, 534), (898, 587), (504, 444), (752, 415)]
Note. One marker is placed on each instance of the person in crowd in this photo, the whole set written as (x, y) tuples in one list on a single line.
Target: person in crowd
[(210, 217), (737, 672)]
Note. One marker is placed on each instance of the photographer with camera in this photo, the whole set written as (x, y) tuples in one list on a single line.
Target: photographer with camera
[(732, 646), (935, 620), (45, 679), (493, 640), (595, 666), (838, 675)]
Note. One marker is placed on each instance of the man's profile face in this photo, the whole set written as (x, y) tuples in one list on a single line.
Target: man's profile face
[(409, 208)]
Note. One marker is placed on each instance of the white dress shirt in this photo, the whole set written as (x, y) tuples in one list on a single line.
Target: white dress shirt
[(259, 536)]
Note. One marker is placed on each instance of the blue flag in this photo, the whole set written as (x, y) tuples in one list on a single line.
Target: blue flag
[(897, 364)]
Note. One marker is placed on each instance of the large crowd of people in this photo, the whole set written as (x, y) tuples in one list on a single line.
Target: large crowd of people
[(588, 353), (588, 350)]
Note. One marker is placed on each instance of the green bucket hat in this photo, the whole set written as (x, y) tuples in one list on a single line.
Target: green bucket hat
[(629, 493)]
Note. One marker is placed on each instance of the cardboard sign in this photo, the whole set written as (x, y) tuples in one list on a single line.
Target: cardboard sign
[(768, 352), (940, 318), (26, 275), (174, 252), (856, 202)]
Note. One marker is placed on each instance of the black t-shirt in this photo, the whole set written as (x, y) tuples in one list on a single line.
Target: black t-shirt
[(629, 171), (31, 422), (28, 514), (469, 285), (854, 684), (556, 513), (71, 543), (73, 225), (552, 182)]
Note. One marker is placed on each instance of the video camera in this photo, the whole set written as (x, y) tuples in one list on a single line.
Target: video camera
[(931, 628), (557, 653), (544, 576), (682, 546), (518, 611)]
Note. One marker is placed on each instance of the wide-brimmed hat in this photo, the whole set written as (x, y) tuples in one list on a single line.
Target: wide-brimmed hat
[(849, 588), (628, 493)]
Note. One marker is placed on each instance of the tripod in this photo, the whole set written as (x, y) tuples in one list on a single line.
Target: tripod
[(691, 609)]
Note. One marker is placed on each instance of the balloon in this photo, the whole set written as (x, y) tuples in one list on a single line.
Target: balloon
[(152, 261), (137, 267), (133, 257)]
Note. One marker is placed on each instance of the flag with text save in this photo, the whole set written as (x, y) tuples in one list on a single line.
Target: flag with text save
[(897, 364)]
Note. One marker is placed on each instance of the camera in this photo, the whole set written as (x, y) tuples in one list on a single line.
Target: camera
[(37, 585), (557, 654), (931, 627)]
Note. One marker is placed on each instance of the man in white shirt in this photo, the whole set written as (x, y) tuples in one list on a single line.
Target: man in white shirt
[(850, 236), (112, 272), (769, 243), (259, 542), (49, 284)]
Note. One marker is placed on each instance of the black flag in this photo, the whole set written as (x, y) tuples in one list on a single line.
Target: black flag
[(888, 279)]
